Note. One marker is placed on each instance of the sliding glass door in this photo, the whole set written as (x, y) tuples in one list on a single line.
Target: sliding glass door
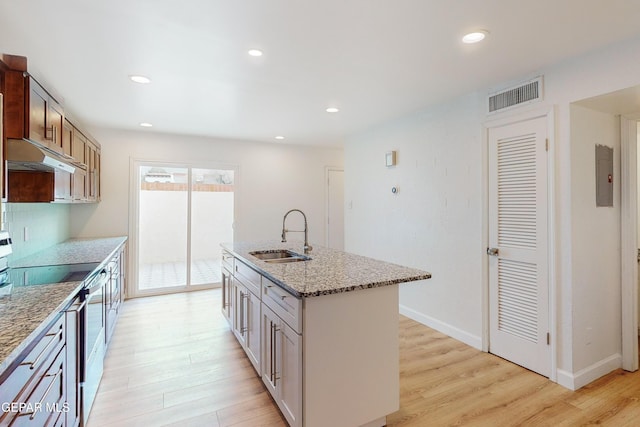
[(183, 214)]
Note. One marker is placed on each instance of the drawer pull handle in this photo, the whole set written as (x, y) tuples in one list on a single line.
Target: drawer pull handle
[(46, 393), (244, 313), (272, 374), (44, 350)]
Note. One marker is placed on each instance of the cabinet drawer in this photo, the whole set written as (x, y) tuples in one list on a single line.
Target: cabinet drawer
[(248, 277), (39, 377), (285, 305), (227, 260)]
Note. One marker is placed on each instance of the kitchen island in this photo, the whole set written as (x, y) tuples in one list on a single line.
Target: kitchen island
[(321, 331)]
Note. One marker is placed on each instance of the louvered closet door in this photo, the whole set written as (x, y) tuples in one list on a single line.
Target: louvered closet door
[(518, 273)]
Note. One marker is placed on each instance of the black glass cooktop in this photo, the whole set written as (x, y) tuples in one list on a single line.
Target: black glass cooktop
[(48, 274)]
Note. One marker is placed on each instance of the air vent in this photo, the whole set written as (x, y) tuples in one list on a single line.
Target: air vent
[(522, 94)]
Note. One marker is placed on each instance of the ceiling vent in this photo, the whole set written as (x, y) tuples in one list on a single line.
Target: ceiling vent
[(525, 93)]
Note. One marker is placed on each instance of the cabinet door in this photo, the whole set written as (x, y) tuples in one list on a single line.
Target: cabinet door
[(79, 189), (92, 158), (239, 318), (72, 371), (289, 385), (67, 137), (62, 191), (227, 295), (252, 329), (270, 324), (37, 112), (78, 148), (54, 125), (282, 365)]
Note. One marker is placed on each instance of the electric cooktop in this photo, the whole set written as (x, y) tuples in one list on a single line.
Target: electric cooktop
[(48, 274)]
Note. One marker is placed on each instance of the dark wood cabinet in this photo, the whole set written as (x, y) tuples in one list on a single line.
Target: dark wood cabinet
[(92, 158), (31, 112), (42, 117), (68, 131), (79, 189), (62, 186), (31, 187)]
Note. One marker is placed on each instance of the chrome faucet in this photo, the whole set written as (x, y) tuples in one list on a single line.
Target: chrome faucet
[(307, 248)]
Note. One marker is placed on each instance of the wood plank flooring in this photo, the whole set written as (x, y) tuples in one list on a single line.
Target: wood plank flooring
[(174, 362)]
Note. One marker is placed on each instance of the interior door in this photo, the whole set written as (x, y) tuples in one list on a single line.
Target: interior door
[(335, 209), (518, 240)]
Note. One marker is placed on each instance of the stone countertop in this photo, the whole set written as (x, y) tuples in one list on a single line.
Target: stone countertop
[(29, 310), (328, 271), (73, 251)]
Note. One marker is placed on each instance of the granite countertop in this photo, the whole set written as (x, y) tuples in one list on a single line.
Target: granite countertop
[(29, 310), (73, 251), (328, 271)]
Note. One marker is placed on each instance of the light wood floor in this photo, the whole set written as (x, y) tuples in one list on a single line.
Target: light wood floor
[(174, 362)]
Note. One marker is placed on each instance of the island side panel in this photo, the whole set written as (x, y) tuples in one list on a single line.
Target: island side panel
[(351, 357)]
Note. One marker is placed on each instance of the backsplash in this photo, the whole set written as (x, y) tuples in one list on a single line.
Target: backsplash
[(46, 224)]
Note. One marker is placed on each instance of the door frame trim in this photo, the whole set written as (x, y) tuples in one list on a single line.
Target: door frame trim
[(629, 241), (134, 209), (327, 170), (548, 112)]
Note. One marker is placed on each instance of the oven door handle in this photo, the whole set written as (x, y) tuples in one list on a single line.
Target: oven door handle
[(96, 283)]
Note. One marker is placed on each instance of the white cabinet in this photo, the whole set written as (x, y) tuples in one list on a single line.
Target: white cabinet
[(246, 323), (282, 365), (227, 295)]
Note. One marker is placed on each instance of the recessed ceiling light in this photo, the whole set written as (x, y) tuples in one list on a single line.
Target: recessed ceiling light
[(332, 110), (140, 79), (146, 125), (255, 52), (279, 137), (475, 37)]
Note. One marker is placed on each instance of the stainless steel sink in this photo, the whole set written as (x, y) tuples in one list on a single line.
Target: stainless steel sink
[(279, 256)]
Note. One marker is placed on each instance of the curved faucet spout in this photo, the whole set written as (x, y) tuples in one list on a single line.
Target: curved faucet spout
[(307, 247)]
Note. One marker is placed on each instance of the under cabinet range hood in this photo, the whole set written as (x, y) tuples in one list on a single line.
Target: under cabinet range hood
[(23, 154)]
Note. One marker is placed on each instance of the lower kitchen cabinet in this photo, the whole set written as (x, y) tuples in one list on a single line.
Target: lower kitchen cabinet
[(282, 367), (113, 292), (246, 324), (227, 295), (35, 393), (72, 349)]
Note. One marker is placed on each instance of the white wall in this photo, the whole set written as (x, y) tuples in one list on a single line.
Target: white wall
[(435, 220), (595, 241), (429, 225), (272, 178)]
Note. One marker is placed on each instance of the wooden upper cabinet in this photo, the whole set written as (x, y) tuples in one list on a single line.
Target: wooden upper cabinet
[(31, 112), (67, 137), (92, 159), (78, 147), (37, 130), (46, 118)]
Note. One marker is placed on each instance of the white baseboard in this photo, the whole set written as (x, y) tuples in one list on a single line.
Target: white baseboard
[(590, 373), (457, 333)]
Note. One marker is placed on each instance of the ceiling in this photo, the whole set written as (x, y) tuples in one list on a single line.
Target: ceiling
[(375, 60)]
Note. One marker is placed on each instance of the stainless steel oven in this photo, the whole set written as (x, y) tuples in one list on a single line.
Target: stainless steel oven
[(92, 331)]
